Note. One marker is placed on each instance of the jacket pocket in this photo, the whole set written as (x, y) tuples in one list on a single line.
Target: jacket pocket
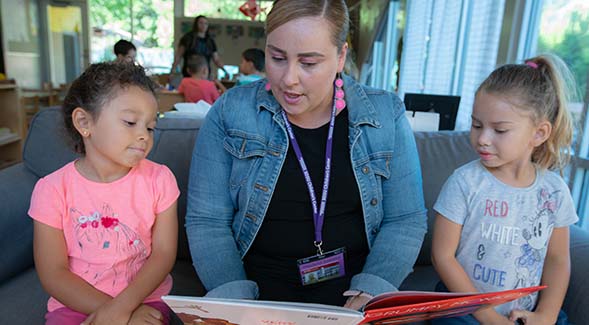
[(246, 150), (381, 164)]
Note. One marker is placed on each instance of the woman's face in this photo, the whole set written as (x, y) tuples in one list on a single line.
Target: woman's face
[(203, 24), (301, 64)]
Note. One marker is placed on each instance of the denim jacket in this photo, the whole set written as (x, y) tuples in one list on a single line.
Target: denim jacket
[(237, 159)]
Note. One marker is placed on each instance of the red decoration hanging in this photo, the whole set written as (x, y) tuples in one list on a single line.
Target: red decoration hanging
[(250, 8)]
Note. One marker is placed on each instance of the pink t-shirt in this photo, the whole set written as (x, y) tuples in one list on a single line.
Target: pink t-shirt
[(195, 90), (107, 226)]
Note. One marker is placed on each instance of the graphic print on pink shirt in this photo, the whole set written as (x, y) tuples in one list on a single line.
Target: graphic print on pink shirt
[(101, 236)]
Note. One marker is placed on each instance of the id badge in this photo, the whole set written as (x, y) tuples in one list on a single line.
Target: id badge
[(319, 268)]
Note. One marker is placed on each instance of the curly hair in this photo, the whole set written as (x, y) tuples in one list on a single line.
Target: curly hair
[(96, 87)]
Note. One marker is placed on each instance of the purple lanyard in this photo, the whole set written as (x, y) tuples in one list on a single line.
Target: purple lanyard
[(318, 214)]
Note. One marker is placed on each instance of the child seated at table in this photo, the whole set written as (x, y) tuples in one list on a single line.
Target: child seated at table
[(197, 87), (251, 66)]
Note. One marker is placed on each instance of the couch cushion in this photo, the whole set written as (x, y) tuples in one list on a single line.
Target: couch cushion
[(173, 148), (423, 278), (23, 300), (186, 281), (440, 153), (47, 148), (575, 302), (16, 228)]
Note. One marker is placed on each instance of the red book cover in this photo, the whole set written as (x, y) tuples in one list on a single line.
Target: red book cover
[(413, 306)]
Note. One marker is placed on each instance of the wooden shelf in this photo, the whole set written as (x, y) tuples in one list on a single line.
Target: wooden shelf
[(11, 117), (7, 86), (11, 138)]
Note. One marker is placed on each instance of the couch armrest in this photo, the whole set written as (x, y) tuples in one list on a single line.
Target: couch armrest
[(16, 228), (577, 297)]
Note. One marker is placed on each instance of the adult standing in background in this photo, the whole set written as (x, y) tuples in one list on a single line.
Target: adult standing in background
[(197, 41), (305, 186)]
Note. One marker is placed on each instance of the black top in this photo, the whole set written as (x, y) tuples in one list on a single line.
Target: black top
[(287, 232), (197, 45)]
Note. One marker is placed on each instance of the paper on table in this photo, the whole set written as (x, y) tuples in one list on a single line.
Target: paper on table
[(190, 110), (201, 105), (423, 121)]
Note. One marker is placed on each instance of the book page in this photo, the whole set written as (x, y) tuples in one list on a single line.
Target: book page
[(200, 310)]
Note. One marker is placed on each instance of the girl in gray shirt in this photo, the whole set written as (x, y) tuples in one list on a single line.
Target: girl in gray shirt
[(502, 220)]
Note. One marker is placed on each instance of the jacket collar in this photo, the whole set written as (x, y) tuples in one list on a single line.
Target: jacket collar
[(360, 108)]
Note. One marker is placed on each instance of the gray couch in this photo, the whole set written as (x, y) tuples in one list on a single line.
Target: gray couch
[(23, 300)]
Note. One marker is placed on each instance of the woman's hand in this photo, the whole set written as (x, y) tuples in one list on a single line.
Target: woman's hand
[(146, 314), (529, 317), (358, 301)]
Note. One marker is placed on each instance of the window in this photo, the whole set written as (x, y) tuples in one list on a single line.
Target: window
[(452, 51), (149, 25), (570, 41), (385, 50)]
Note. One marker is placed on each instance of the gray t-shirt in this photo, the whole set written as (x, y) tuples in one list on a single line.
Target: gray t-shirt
[(505, 230)]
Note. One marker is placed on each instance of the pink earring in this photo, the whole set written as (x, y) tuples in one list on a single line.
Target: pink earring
[(267, 86), (340, 103)]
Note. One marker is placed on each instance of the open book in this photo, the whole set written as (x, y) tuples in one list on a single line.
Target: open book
[(390, 308)]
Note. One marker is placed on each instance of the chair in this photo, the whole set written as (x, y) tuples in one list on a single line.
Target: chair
[(52, 94), (446, 106), (30, 106)]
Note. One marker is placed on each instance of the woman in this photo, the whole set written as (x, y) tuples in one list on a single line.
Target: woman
[(253, 229), (197, 41)]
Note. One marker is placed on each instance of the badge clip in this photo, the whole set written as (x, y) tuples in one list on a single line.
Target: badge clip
[(318, 245)]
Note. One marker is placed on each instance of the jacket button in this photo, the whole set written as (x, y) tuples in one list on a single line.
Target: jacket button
[(374, 201), (365, 169)]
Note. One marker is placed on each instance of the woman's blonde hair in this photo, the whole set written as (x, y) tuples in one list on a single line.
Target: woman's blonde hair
[(334, 11), (543, 86)]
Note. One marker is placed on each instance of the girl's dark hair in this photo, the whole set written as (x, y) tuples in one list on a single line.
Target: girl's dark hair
[(543, 86), (123, 47), (96, 87), (256, 56)]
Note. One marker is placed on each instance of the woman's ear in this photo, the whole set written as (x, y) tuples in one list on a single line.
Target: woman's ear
[(82, 121), (342, 57), (543, 131)]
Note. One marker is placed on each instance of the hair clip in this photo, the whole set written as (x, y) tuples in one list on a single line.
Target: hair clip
[(532, 64)]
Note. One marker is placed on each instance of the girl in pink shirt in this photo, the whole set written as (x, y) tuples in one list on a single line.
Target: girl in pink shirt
[(105, 225)]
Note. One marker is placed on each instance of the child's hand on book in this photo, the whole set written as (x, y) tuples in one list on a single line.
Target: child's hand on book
[(490, 316), (529, 317), (145, 314)]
